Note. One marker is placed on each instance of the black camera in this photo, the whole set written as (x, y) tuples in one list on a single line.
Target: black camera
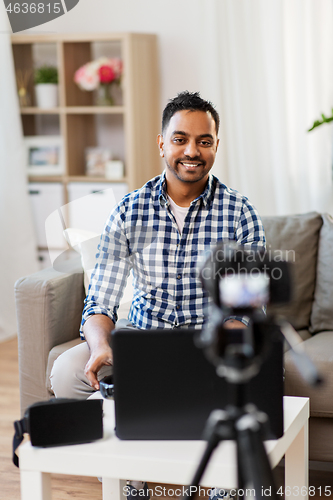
[(243, 279), (241, 282)]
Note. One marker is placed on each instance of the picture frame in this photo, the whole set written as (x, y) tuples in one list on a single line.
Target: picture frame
[(44, 155), (97, 159)]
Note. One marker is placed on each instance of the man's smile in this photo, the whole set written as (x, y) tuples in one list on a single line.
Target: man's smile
[(191, 165)]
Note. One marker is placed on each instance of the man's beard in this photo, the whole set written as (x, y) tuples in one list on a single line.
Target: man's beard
[(176, 173)]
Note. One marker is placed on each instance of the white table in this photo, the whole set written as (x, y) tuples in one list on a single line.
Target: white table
[(172, 462)]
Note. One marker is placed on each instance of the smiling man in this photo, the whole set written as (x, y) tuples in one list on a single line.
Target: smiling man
[(159, 233)]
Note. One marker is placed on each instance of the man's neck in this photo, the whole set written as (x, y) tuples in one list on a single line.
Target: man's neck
[(183, 193)]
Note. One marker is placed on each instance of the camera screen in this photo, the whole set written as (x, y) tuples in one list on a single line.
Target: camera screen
[(244, 290)]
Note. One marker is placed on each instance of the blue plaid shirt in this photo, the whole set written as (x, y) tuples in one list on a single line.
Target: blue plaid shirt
[(142, 236)]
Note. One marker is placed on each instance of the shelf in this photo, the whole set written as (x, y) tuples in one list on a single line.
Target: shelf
[(73, 178), (86, 178), (70, 37), (76, 110), (33, 110), (45, 178)]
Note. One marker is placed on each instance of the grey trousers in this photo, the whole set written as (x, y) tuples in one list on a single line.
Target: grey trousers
[(67, 376)]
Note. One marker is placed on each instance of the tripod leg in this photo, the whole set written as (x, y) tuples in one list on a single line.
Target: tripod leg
[(217, 419), (241, 480), (255, 473), (211, 445)]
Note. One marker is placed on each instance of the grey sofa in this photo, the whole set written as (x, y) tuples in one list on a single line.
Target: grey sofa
[(49, 305)]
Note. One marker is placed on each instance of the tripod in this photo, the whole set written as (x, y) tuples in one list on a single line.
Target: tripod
[(243, 422), (245, 425), (240, 282)]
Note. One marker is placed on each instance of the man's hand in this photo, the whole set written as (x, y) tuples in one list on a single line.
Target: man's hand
[(232, 324), (97, 331), (98, 358)]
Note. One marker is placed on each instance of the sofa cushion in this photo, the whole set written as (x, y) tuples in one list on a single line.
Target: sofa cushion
[(322, 309), (319, 348), (298, 235)]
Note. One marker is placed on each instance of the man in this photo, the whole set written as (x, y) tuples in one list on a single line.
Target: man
[(159, 232)]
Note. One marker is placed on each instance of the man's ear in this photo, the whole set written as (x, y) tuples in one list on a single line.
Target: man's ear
[(160, 142), (217, 144)]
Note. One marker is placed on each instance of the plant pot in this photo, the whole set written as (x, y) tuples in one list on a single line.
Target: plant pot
[(46, 95)]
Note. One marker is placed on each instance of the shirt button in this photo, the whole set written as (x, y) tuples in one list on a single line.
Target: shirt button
[(178, 307), (179, 276)]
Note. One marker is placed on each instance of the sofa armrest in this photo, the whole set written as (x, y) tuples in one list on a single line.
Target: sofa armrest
[(48, 307)]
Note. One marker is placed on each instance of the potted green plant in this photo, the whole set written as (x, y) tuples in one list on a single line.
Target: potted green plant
[(46, 86)]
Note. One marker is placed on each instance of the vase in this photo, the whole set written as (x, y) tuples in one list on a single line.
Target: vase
[(104, 97), (24, 97), (46, 95)]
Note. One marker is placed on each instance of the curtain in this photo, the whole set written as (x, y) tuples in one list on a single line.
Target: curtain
[(17, 242), (268, 66)]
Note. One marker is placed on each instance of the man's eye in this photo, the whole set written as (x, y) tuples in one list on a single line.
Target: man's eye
[(206, 143), (178, 140)]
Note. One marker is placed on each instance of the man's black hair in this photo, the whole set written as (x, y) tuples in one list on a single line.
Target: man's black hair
[(190, 101)]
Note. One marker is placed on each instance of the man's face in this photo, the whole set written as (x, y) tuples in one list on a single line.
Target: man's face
[(189, 146)]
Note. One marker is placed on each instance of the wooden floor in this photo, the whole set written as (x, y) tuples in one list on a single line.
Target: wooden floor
[(73, 487)]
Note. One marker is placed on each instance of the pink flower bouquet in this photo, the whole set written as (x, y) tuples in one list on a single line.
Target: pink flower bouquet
[(103, 71)]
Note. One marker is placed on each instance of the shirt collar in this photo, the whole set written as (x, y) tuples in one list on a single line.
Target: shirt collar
[(206, 195), (162, 195)]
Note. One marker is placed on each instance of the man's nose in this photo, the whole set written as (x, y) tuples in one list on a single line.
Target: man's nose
[(192, 149)]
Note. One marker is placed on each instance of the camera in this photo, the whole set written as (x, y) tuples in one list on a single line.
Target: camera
[(244, 279), (241, 283)]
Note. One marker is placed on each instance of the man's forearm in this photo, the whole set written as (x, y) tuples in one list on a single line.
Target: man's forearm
[(97, 330)]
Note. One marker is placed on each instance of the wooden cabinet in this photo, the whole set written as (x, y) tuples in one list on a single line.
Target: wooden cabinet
[(129, 127)]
